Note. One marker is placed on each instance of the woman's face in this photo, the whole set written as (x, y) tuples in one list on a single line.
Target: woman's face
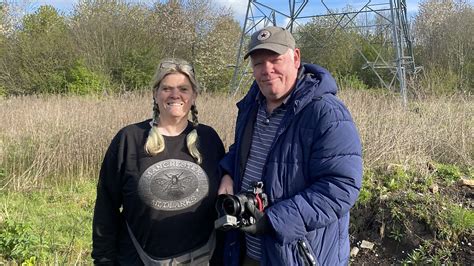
[(174, 96)]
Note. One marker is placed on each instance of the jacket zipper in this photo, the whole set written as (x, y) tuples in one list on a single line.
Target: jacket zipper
[(308, 256)]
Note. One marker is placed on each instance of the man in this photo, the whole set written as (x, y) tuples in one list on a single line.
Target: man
[(294, 135)]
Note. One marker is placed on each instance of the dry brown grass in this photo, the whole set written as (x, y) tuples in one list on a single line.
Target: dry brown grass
[(437, 129), (63, 139)]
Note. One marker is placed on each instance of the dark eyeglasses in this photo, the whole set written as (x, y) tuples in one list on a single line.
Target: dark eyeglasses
[(183, 67)]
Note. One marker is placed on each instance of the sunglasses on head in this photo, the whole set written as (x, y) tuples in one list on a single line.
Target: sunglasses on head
[(170, 64)]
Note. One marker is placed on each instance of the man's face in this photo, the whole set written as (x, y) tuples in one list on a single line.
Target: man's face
[(275, 74)]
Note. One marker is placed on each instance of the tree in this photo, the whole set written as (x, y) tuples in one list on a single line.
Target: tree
[(339, 49), (444, 35), (115, 39), (38, 55), (199, 32), (322, 43), (216, 54), (172, 30), (117, 43)]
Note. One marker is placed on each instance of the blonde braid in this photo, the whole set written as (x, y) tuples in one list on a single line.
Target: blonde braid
[(192, 137), (194, 115), (155, 142)]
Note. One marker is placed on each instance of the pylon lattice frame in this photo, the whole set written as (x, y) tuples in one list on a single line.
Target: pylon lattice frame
[(392, 14)]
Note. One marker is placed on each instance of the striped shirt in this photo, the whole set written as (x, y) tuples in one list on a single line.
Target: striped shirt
[(263, 135)]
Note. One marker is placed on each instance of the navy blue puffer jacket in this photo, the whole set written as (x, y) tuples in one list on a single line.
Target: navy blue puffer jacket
[(312, 175)]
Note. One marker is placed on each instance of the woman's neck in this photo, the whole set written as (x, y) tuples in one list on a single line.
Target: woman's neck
[(172, 128)]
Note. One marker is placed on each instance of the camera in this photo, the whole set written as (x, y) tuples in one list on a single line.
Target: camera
[(232, 210)]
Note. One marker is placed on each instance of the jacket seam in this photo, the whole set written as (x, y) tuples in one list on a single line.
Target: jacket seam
[(338, 155)]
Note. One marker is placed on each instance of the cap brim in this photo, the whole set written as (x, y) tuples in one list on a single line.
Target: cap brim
[(277, 48)]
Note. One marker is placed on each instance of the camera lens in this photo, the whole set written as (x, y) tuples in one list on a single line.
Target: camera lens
[(231, 206)]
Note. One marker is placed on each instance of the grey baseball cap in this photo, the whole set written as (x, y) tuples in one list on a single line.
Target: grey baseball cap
[(271, 38)]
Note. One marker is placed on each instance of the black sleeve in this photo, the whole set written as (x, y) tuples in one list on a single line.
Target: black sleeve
[(218, 255), (106, 219), (212, 143), (213, 140), (220, 153)]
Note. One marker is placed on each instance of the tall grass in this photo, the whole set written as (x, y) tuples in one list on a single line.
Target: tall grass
[(58, 139), (63, 139), (435, 129)]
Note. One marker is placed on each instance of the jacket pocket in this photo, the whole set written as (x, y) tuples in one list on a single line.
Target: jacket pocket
[(306, 253)]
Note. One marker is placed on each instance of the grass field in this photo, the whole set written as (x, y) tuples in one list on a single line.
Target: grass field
[(51, 148)]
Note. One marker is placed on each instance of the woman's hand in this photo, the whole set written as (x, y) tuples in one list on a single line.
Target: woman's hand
[(226, 186)]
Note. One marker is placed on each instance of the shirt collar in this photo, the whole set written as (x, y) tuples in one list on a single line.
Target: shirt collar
[(261, 100)]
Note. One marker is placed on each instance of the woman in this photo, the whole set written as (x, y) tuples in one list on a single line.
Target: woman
[(158, 182)]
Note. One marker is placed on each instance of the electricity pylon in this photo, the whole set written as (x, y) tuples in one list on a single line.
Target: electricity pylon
[(387, 17)]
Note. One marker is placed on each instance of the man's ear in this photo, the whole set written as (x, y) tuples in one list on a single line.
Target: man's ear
[(297, 58)]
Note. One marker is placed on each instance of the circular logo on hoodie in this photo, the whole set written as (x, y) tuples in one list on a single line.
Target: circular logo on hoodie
[(173, 185)]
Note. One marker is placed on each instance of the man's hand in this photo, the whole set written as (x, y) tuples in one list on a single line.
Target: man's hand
[(262, 224), (226, 186)]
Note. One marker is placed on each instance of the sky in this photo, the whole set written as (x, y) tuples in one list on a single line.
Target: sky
[(240, 6)]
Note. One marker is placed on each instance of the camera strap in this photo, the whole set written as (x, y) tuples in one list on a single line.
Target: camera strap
[(199, 257), (258, 190), (259, 202)]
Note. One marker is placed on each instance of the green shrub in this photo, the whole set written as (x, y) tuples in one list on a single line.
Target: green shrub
[(17, 241), (3, 91), (81, 80), (135, 71), (448, 172), (57, 230), (366, 194), (439, 81), (460, 220), (397, 178), (41, 53), (351, 81)]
